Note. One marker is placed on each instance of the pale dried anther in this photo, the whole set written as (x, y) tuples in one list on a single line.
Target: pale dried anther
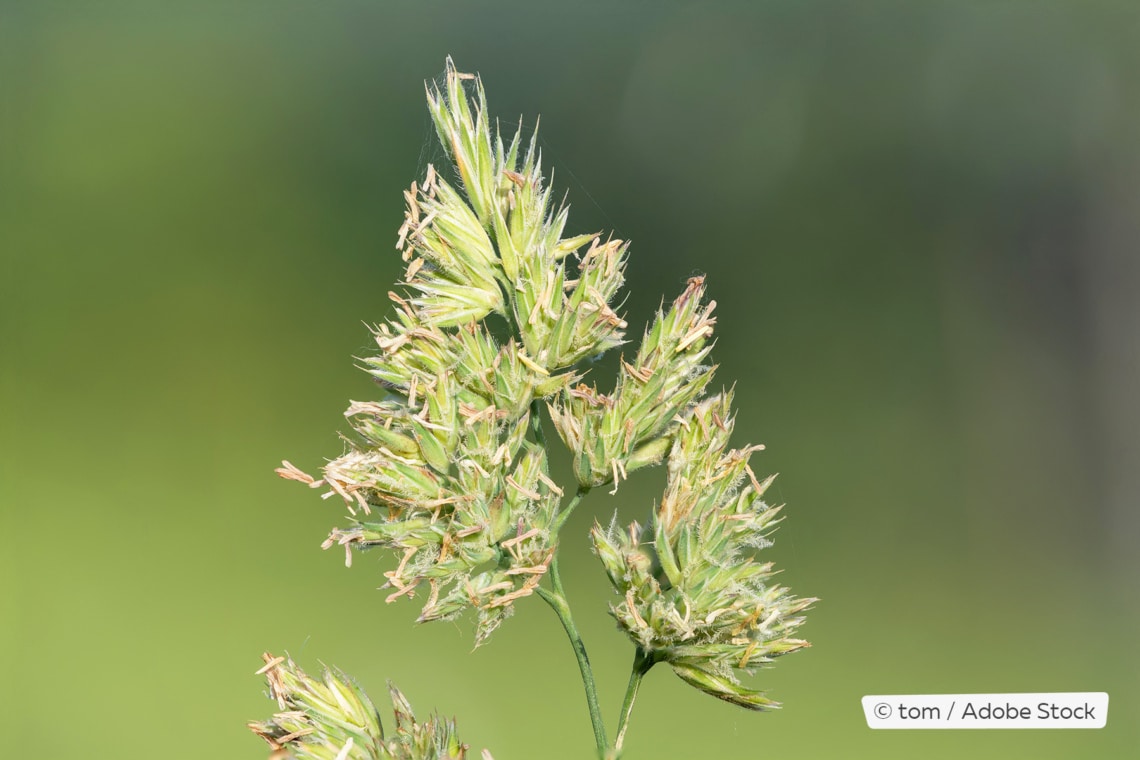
[(289, 471)]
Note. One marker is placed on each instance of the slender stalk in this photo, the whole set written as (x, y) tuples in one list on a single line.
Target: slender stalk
[(556, 598), (564, 515), (536, 424), (641, 665), (557, 601)]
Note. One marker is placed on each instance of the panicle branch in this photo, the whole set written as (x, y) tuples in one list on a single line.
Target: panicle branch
[(691, 590)]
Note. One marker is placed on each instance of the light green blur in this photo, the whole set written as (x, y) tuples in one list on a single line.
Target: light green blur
[(919, 224)]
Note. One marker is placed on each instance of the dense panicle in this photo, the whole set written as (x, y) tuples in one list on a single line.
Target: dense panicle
[(331, 718), (691, 592), (444, 470)]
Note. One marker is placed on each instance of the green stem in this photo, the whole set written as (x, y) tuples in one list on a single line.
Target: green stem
[(641, 665), (557, 601), (564, 515), (556, 598), (536, 424)]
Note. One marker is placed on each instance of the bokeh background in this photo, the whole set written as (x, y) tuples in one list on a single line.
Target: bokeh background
[(920, 222)]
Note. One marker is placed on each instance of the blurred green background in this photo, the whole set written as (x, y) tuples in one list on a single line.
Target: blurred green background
[(920, 222)]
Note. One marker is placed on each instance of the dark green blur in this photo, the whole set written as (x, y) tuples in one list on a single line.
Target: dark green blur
[(920, 223)]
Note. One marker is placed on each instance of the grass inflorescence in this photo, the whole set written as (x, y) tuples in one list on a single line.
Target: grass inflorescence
[(449, 470)]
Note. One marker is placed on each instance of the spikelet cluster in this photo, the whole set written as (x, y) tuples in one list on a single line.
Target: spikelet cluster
[(444, 470), (691, 592), (612, 434), (332, 718)]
